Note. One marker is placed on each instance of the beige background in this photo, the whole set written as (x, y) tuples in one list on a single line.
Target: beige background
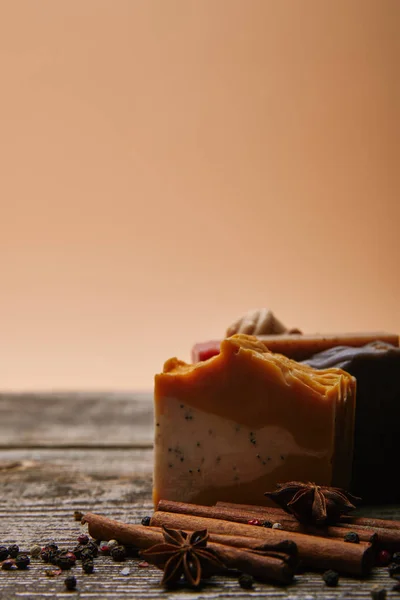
[(168, 164)]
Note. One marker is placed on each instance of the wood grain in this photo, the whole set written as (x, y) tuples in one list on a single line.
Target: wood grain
[(76, 420), (77, 459)]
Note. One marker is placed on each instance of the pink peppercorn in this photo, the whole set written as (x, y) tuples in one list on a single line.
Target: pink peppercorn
[(254, 522)]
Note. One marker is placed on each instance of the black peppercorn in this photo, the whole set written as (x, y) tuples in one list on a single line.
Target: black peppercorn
[(64, 562), (88, 566), (118, 553), (70, 582), (267, 524), (78, 550), (378, 593), (8, 564), (246, 581), (13, 550), (352, 537), (78, 514), (87, 554), (394, 569), (3, 553), (331, 578), (146, 521), (22, 561), (93, 547)]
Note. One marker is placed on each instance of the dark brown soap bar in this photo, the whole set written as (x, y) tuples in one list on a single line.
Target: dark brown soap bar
[(376, 367)]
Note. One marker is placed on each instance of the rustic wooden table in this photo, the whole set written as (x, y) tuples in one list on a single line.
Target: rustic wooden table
[(93, 452)]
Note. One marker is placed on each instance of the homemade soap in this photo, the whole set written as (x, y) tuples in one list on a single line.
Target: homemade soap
[(376, 367), (232, 427), (301, 346)]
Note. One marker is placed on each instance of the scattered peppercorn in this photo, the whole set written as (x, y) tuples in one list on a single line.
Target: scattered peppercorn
[(383, 558), (22, 561), (246, 581), (118, 553), (8, 564), (93, 547), (70, 582), (396, 558), (104, 548), (3, 553), (87, 554), (352, 537), (13, 550), (277, 526), (78, 514), (254, 522), (331, 578), (88, 566), (267, 524), (146, 521), (35, 551), (83, 539), (112, 544), (143, 564), (64, 562), (78, 550), (394, 569), (378, 593)]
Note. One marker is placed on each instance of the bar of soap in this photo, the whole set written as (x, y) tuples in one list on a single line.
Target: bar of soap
[(301, 346), (376, 367), (232, 427)]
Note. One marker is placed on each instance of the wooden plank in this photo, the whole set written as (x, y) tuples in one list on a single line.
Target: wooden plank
[(76, 420), (41, 489)]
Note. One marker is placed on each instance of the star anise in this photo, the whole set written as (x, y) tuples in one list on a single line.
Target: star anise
[(183, 554), (311, 503)]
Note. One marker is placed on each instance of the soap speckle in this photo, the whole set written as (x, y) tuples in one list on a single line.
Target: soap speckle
[(218, 459), (182, 459), (157, 424), (198, 470), (190, 471), (210, 432), (282, 457), (198, 444)]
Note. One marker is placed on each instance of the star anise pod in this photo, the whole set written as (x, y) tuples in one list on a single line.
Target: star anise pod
[(183, 554), (311, 503)]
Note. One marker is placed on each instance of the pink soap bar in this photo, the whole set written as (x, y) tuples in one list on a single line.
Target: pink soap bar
[(301, 346), (205, 350)]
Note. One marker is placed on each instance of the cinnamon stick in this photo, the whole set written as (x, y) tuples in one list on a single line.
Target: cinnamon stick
[(241, 516), (315, 552), (344, 519), (256, 563), (387, 533)]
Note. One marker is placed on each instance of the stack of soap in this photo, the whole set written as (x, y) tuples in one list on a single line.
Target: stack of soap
[(376, 367), (232, 427)]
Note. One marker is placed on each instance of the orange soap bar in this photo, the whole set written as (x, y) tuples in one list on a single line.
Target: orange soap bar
[(233, 426)]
